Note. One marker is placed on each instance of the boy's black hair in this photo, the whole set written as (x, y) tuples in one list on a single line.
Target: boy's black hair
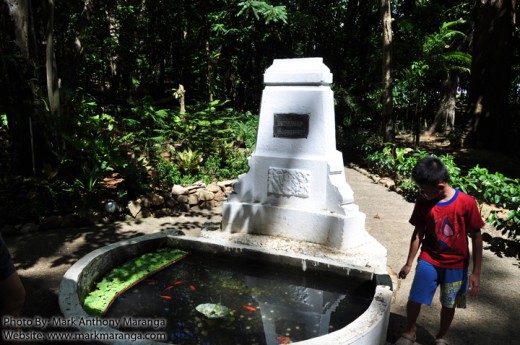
[(430, 171)]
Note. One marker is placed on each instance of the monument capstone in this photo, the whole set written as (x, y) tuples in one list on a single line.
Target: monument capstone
[(295, 186)]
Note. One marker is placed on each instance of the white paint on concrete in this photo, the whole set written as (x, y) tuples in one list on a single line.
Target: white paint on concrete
[(296, 186)]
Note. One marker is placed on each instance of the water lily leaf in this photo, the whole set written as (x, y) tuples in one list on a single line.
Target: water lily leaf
[(213, 311), (121, 278)]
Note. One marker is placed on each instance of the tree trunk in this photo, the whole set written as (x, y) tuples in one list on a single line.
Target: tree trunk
[(417, 121), (209, 73), (445, 115), (20, 13), (113, 54), (387, 106), (18, 99), (53, 90), (489, 116)]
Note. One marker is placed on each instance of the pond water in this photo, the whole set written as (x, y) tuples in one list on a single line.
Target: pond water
[(267, 305)]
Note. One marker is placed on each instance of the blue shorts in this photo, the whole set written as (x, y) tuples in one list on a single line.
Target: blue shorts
[(453, 285)]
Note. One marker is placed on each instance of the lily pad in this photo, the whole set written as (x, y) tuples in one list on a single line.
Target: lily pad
[(213, 311), (127, 275)]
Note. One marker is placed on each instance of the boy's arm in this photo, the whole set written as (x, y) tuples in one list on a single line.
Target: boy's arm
[(474, 278), (415, 244)]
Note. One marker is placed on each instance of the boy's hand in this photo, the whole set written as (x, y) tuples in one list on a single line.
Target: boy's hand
[(474, 285), (404, 271)]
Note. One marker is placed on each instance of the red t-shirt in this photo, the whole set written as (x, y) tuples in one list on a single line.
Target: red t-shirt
[(447, 225)]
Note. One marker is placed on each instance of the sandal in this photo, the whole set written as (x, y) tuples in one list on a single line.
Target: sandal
[(405, 339), (441, 341)]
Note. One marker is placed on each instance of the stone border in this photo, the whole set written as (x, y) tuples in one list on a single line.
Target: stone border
[(368, 329)]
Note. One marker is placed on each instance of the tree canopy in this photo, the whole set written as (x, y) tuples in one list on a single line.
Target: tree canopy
[(103, 76)]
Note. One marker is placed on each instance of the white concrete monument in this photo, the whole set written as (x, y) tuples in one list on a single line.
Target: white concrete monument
[(296, 186)]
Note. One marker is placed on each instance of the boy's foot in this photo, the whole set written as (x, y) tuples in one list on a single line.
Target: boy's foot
[(405, 339), (441, 341)]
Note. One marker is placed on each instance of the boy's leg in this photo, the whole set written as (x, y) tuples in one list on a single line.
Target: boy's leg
[(446, 319), (423, 288), (412, 313), (453, 290)]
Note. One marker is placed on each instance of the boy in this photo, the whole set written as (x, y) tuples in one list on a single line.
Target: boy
[(443, 217)]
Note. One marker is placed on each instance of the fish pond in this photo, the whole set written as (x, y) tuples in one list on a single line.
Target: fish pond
[(206, 299)]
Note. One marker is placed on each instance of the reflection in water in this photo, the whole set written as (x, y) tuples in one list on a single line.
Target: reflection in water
[(267, 305), (305, 309)]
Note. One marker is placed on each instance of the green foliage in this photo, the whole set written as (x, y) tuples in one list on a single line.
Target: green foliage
[(498, 190), (207, 142), (494, 189), (188, 161), (245, 131), (268, 12), (440, 57), (123, 277)]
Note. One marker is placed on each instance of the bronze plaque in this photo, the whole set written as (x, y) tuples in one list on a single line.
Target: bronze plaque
[(293, 126)]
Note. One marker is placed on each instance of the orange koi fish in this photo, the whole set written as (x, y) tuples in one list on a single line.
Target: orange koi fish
[(248, 307), (192, 287), (283, 340), (169, 287), (166, 297)]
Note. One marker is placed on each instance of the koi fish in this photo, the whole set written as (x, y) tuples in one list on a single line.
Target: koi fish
[(169, 287), (248, 307), (166, 297), (192, 287), (283, 340)]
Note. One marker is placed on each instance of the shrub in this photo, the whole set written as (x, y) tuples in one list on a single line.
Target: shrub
[(495, 189)]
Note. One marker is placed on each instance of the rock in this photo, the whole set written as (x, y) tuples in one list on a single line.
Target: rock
[(134, 208), (228, 190), (387, 182), (7, 230), (207, 205), (205, 195), (71, 221), (193, 199), (163, 212), (220, 196), (29, 227), (171, 203), (156, 199), (182, 199), (51, 222), (179, 190), (195, 186), (227, 183), (145, 213), (184, 207), (94, 217), (213, 188)]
